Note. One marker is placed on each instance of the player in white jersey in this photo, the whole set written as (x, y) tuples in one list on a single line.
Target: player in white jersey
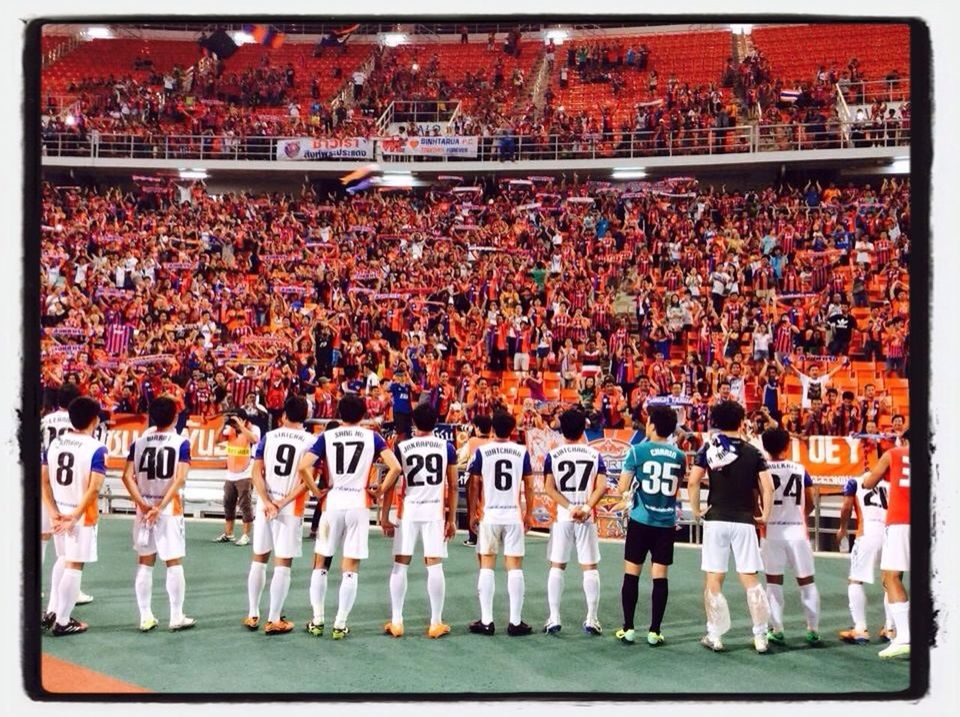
[(497, 473), (279, 514), (427, 510), (52, 425), (865, 555), (575, 478), (72, 472), (786, 539), (154, 476), (348, 453)]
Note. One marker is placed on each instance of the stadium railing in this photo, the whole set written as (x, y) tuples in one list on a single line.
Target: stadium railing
[(499, 148)]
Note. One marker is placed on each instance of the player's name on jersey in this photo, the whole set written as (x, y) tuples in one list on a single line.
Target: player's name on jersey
[(287, 433), (576, 448), (70, 441), (505, 451), (663, 452), (158, 437), (343, 432), (415, 443)]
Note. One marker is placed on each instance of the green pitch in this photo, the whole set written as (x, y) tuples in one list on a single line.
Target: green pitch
[(219, 655)]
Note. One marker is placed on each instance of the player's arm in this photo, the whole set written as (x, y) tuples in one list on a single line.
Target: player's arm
[(766, 495), (599, 488), (98, 469), (308, 463), (846, 509), (452, 493), (46, 493), (183, 468), (871, 478), (473, 489), (131, 485), (393, 469), (260, 486), (695, 477), (550, 484), (528, 494)]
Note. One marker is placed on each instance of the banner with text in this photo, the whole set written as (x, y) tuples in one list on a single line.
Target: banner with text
[(306, 148), (430, 146)]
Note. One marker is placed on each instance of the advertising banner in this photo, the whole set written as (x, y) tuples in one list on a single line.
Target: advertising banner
[(430, 146), (307, 148)]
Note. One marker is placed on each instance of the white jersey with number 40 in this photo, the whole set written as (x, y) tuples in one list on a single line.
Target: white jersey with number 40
[(349, 452), (281, 450), (156, 458), (788, 519)]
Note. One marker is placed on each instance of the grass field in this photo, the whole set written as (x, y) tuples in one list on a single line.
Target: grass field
[(220, 656)]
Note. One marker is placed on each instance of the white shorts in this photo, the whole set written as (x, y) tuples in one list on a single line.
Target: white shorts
[(45, 527), (405, 538), (77, 546), (282, 536), (567, 533), (493, 537), (166, 538), (343, 530), (719, 536), (778, 553), (521, 362), (864, 557), (896, 548)]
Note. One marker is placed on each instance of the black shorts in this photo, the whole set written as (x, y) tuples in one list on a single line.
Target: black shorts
[(643, 539), (403, 423)]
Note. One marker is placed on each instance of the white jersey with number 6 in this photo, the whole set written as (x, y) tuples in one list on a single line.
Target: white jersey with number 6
[(349, 453), (70, 460), (281, 450), (501, 466), (422, 489), (788, 519), (574, 468), (156, 458)]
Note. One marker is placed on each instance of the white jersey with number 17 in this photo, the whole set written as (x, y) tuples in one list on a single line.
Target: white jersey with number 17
[(349, 453)]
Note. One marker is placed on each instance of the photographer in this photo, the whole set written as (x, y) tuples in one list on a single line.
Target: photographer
[(241, 434)]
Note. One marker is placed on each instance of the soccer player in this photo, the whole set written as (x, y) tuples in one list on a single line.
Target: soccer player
[(786, 538), (154, 476), (428, 509), (279, 513), (77, 462), (575, 478), (52, 425), (649, 483), (895, 556), (865, 556), (498, 471), (348, 453), (735, 470)]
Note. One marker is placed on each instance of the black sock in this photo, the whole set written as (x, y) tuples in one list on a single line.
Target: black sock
[(658, 603), (628, 598)]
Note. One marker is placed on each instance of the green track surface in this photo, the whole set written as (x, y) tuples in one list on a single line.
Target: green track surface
[(220, 656)]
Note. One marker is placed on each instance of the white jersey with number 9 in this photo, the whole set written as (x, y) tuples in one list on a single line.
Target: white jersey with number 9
[(281, 450)]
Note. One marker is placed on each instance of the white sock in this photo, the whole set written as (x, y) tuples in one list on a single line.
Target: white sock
[(591, 589), (775, 599), (901, 620), (887, 616), (279, 587), (68, 589), (348, 594), (256, 579), (485, 589), (176, 590), (437, 590), (318, 593), (515, 589), (718, 614), (43, 550), (398, 591), (810, 599), (55, 576), (759, 609), (857, 598), (554, 593), (143, 587)]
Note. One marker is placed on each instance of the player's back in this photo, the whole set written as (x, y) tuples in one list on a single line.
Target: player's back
[(349, 453), (53, 425), (424, 460), (70, 460), (658, 468), (898, 508), (156, 458), (501, 466), (873, 504), (788, 517), (281, 450), (575, 467)]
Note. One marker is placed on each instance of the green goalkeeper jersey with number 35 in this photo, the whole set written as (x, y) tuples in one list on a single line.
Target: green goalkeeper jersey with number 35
[(657, 469)]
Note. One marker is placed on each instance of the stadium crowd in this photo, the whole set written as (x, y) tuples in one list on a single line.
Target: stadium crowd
[(234, 299)]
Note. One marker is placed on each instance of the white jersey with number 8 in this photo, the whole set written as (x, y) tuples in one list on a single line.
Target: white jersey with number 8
[(501, 466), (70, 460), (281, 450)]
